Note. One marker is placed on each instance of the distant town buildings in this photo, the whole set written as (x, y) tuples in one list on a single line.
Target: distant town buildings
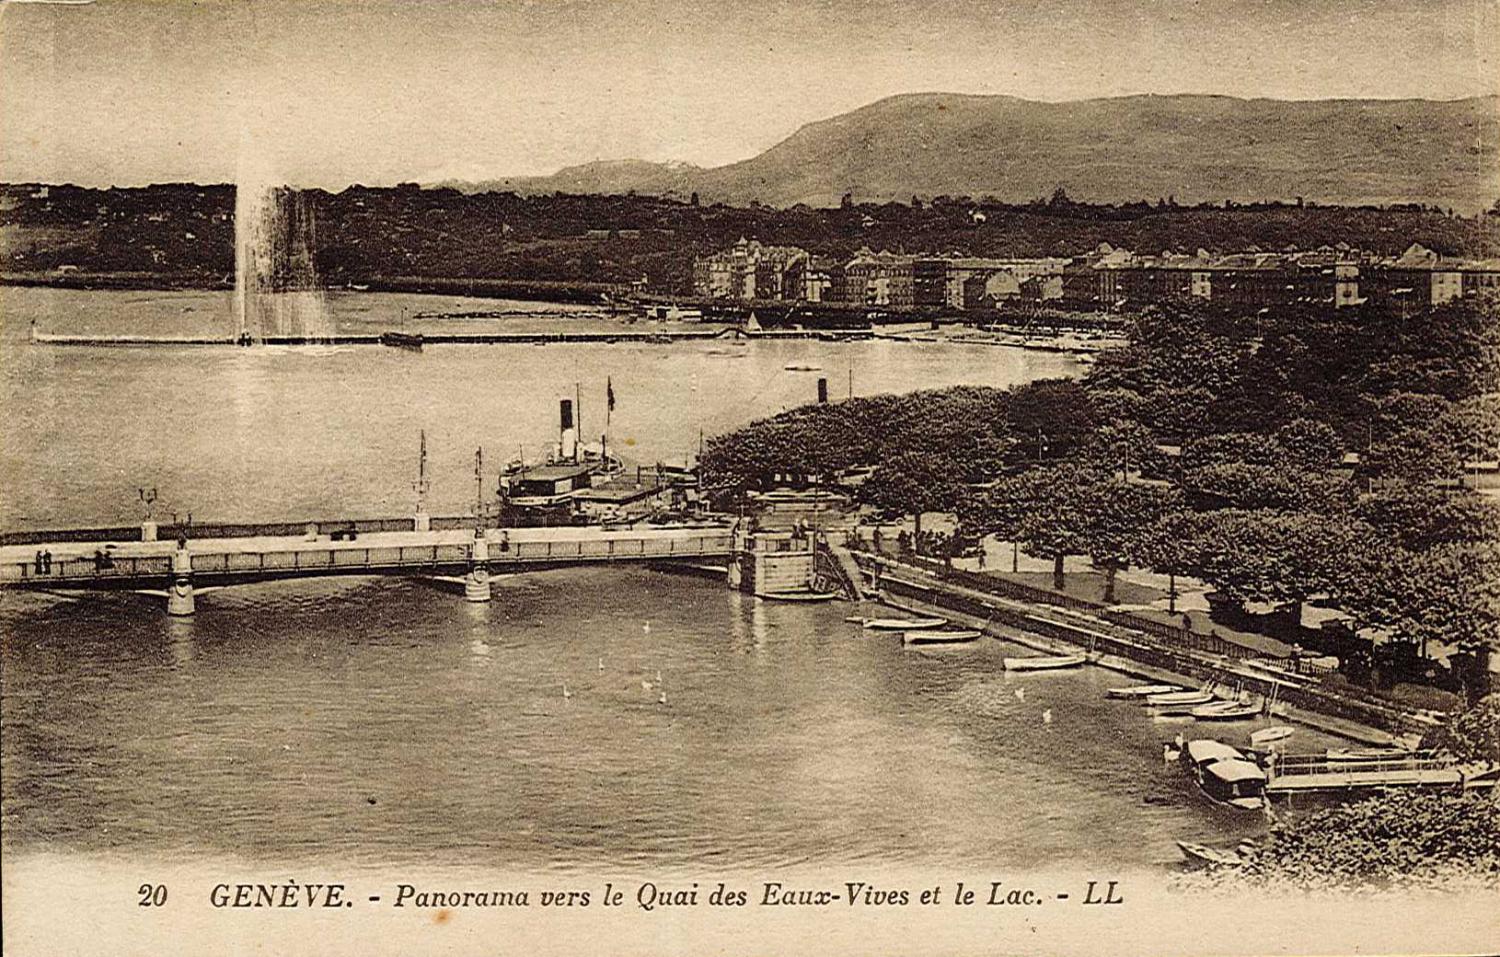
[(1104, 277)]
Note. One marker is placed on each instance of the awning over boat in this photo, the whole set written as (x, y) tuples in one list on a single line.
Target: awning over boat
[(1206, 749), (1234, 770)]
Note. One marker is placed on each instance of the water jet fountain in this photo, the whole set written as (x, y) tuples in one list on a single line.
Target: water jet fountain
[(277, 296)]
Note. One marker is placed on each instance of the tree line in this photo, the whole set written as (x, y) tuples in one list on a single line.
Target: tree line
[(1279, 457), (365, 233)]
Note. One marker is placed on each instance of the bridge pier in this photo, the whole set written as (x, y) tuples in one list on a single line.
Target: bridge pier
[(180, 590), (477, 581)]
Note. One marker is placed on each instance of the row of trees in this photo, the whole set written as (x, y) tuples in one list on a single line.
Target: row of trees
[(1216, 446), (366, 233)]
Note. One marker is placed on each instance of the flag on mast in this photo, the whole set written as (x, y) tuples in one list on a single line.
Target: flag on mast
[(609, 394)]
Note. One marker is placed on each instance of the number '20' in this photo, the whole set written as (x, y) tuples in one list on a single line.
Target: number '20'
[(152, 895)]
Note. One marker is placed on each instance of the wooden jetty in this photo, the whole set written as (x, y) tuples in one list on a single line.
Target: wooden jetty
[(1299, 773)]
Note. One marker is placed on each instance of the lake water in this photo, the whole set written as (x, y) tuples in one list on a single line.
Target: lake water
[(384, 722)]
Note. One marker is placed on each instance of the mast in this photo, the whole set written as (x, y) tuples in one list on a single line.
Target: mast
[(422, 484), (578, 421), (609, 408), (479, 481)]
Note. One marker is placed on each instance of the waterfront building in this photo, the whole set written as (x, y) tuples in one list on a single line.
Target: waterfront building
[(809, 279), (990, 290), (929, 282), (747, 270), (879, 279), (1331, 275)]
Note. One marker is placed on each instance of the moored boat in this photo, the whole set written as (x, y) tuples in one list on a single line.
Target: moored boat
[(1224, 711), (1237, 782), (1173, 698), (1141, 691), (1224, 774), (806, 595), (1368, 754), (1044, 662), (898, 624), (1265, 736), (1202, 856), (402, 340), (938, 636)]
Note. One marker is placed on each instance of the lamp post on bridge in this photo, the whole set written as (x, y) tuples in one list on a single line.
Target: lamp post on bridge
[(147, 498), (421, 522), (477, 580)]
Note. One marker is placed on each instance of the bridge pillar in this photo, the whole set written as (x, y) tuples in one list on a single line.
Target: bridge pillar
[(421, 522), (148, 531), (477, 581), (180, 590)]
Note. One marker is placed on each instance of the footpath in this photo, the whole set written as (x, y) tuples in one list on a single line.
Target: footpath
[(1141, 647)]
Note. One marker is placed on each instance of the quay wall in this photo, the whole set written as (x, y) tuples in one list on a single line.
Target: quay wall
[(1112, 637)]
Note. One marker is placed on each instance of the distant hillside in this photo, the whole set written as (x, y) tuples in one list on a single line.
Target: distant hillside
[(605, 177), (181, 233), (1196, 148)]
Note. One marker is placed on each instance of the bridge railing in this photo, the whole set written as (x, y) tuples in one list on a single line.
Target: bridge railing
[(82, 568), (612, 548), (1295, 764), (312, 558)]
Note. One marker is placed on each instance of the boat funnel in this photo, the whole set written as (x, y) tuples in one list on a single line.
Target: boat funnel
[(567, 446)]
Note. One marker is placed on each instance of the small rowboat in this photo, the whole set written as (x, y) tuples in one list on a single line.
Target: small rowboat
[(938, 637), (899, 624), (1224, 711), (1368, 754), (1201, 855), (1179, 698), (1044, 663), (798, 595), (1265, 736), (1141, 691)]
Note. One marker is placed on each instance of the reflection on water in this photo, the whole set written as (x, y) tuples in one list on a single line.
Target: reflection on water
[(385, 721), (271, 434)]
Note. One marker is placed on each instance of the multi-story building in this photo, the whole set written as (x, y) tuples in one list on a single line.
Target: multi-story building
[(746, 270), (879, 279), (929, 282), (1336, 276)]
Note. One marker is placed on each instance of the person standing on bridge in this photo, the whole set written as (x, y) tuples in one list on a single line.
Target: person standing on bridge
[(37, 561), (47, 562)]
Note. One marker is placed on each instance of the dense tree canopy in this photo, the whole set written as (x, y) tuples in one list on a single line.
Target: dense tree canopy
[(1213, 445)]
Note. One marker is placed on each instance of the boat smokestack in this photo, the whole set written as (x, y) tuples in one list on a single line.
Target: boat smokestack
[(822, 391), (567, 445)]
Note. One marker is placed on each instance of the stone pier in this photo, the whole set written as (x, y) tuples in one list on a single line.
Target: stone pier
[(770, 562), (477, 581), (180, 590)]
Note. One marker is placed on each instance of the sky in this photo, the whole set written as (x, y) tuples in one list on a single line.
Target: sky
[(128, 92)]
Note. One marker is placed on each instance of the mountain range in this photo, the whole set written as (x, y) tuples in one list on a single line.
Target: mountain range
[(1193, 148)]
